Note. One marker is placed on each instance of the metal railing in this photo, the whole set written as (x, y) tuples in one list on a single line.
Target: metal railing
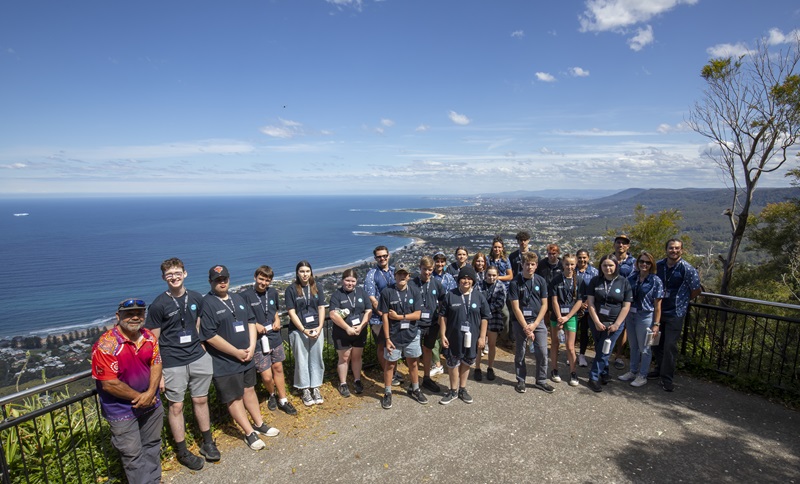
[(747, 339)]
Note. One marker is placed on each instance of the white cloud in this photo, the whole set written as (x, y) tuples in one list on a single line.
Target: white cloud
[(379, 130), (356, 4), (422, 128), (518, 34), (14, 166), (642, 38), (578, 72), (545, 77), (665, 128), (459, 119), (599, 132), (387, 122), (287, 129), (616, 15), (728, 50), (776, 37)]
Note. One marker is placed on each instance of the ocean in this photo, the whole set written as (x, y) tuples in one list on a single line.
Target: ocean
[(68, 262)]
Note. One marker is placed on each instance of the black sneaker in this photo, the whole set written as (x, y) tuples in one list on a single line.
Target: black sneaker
[(520, 387), (478, 374), (464, 395), (344, 391), (545, 387), (272, 403), (254, 442), (595, 386), (266, 430), (288, 408), (397, 380), (358, 387), (386, 401), (605, 378), (667, 386), (653, 375), (431, 385), (418, 396), (490, 374), (210, 452), (448, 397), (191, 461)]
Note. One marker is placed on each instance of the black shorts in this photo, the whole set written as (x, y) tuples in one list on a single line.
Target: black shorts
[(341, 340), (429, 336), (496, 324), (231, 387)]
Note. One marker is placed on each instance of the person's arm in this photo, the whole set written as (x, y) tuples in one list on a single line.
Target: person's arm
[(253, 335), (575, 308), (509, 275), (657, 316), (321, 316), (518, 314), (385, 318), (540, 316), (482, 339), (276, 323), (626, 307), (593, 314), (442, 328)]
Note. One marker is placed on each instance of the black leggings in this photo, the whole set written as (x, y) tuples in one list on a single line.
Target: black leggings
[(583, 332)]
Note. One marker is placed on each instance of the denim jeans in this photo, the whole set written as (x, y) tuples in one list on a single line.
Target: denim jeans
[(600, 363), (637, 325), (308, 364), (139, 443), (666, 353), (540, 351)]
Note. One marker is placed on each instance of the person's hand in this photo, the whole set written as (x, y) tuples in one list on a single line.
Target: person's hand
[(389, 345), (276, 326), (144, 400), (241, 355), (481, 344), (445, 342), (161, 384)]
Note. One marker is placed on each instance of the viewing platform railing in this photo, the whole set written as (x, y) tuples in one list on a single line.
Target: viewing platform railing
[(48, 434)]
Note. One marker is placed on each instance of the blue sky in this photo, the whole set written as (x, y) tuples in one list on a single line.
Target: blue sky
[(343, 96)]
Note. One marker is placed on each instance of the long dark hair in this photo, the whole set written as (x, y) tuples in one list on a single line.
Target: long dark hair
[(312, 284)]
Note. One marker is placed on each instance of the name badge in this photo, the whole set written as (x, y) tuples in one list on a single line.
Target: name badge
[(310, 318), (465, 328), (425, 315), (633, 310), (355, 321), (238, 326), (605, 311), (404, 324), (527, 312), (565, 310), (185, 337)]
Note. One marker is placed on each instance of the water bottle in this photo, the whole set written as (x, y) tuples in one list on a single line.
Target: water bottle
[(607, 346), (467, 339), (265, 344), (343, 312), (561, 336)]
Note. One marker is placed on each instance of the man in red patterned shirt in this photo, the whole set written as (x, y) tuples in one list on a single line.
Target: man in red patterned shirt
[(126, 365)]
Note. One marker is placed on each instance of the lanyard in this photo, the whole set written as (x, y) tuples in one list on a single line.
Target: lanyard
[(607, 286), (263, 303), (466, 304), (403, 302), (351, 301), (185, 307), (232, 308)]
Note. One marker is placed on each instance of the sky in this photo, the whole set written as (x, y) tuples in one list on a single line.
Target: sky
[(317, 97)]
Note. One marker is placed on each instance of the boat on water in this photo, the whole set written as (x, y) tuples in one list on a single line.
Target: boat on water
[(21, 214)]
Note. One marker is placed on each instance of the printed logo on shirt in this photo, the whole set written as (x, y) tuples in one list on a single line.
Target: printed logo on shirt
[(617, 291), (173, 313), (536, 288), (474, 305), (221, 311), (456, 305), (360, 300), (193, 307), (272, 302), (115, 366), (433, 292), (411, 301)]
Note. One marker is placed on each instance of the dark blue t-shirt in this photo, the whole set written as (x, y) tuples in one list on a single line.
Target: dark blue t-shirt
[(264, 307), (176, 318), (229, 319)]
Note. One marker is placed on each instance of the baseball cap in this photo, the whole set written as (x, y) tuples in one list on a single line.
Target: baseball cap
[(401, 268), (624, 237), (217, 272)]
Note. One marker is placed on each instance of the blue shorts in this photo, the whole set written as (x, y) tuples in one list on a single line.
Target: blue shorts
[(411, 350)]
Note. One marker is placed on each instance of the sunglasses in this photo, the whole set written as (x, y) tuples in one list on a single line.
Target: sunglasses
[(645, 262), (378, 257), (132, 304)]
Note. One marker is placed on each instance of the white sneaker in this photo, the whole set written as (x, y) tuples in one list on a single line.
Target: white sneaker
[(582, 361), (626, 377), (639, 381), (254, 442), (437, 370), (317, 396)]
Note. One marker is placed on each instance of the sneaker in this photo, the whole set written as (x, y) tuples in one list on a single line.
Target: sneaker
[(667, 386), (317, 396), (595, 386), (490, 374), (485, 350), (448, 397), (308, 400), (344, 391), (191, 461), (437, 370), (358, 387), (554, 376), (639, 381), (605, 378), (431, 385), (464, 396), (545, 387), (209, 451), (254, 442), (397, 380), (272, 402), (478, 374), (582, 361), (520, 387), (626, 377), (386, 401), (619, 363), (573, 379), (418, 396), (654, 375), (288, 408), (266, 430)]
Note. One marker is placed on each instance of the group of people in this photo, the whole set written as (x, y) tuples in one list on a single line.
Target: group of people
[(186, 340)]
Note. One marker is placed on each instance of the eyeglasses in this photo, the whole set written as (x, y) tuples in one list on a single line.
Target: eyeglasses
[(173, 275), (379, 257), (132, 304), (645, 262)]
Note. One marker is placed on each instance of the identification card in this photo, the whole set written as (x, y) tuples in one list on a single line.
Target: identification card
[(185, 337), (464, 328), (310, 318), (565, 309), (238, 326), (404, 324), (527, 312), (355, 322), (605, 311), (425, 316)]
